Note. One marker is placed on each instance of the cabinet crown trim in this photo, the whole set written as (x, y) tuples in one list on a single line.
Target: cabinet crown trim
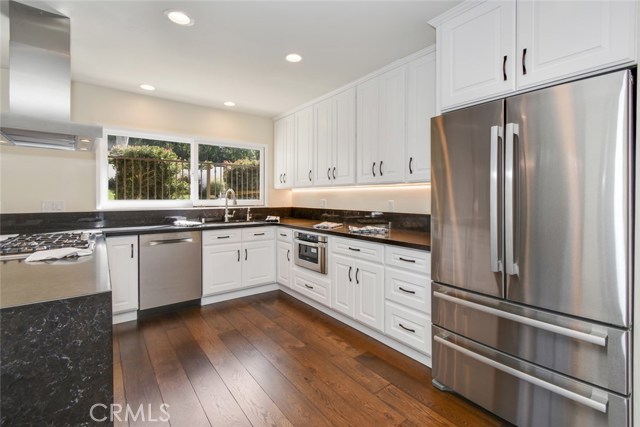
[(455, 11)]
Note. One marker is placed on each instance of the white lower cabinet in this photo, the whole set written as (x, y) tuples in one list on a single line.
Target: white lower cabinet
[(233, 260), (284, 259), (408, 326), (358, 288), (312, 286), (122, 253)]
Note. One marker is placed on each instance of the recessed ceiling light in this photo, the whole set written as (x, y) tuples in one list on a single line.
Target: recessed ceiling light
[(294, 57), (179, 17), (230, 104), (147, 87)]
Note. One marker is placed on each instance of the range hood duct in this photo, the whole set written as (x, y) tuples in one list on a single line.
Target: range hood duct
[(40, 83)]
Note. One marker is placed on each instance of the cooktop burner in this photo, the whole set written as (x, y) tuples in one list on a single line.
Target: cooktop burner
[(29, 243)]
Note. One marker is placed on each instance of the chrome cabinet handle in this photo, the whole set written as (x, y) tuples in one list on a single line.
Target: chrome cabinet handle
[(380, 167), (407, 291), (413, 331), (373, 169), (524, 56), (510, 199), (169, 241), (238, 255), (410, 163), (494, 194), (334, 172), (281, 179), (350, 273), (246, 254), (309, 174), (132, 250), (599, 340), (578, 398), (284, 178), (288, 252), (504, 68), (357, 279), (329, 174)]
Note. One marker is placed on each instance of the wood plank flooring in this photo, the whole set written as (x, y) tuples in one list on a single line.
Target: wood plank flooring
[(270, 360)]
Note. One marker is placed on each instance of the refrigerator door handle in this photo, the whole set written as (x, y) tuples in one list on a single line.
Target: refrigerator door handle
[(598, 405), (597, 339), (496, 136), (512, 130)]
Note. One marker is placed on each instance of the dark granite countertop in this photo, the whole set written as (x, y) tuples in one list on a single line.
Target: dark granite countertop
[(22, 283), (407, 238)]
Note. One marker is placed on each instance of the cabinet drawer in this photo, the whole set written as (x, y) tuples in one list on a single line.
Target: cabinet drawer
[(316, 290), (358, 249), (257, 233), (284, 234), (409, 259), (214, 237), (407, 288), (408, 326)]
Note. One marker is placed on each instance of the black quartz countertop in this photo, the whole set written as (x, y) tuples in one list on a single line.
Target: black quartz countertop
[(24, 283)]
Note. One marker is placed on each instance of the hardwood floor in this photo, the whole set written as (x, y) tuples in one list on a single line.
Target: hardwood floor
[(270, 360)]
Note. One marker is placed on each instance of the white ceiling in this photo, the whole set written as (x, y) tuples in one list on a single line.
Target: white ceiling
[(236, 49)]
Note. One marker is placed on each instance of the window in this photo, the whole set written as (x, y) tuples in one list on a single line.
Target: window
[(145, 170)]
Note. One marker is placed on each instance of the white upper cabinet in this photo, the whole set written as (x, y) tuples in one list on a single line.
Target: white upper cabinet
[(284, 136), (303, 164), (476, 52), (381, 121), (487, 49), (421, 106), (562, 38), (334, 138)]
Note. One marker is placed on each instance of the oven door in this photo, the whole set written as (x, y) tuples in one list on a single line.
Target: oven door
[(311, 256)]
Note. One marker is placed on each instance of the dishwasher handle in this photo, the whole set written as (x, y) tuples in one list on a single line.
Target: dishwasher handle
[(170, 241)]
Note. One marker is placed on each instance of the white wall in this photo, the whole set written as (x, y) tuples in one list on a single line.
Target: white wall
[(29, 176)]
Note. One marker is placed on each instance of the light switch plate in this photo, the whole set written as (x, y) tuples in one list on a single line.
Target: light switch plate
[(323, 203), (52, 205), (391, 206)]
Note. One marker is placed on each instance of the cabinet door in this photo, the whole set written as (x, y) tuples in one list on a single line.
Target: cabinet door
[(303, 164), (122, 253), (279, 142), (369, 296), (344, 133), (421, 106), (392, 125), (323, 141), (368, 131), (221, 268), (476, 54), (259, 265), (343, 284), (557, 39), (284, 257)]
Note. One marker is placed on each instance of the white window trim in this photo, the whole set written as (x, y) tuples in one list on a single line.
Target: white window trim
[(102, 192)]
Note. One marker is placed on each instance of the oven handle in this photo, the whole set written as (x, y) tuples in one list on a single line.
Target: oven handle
[(312, 244)]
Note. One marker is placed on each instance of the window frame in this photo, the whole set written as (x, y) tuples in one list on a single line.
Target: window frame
[(102, 191)]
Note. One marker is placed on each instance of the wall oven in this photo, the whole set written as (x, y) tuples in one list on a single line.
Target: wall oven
[(310, 251)]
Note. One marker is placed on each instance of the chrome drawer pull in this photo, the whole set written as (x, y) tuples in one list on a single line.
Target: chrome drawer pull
[(582, 336), (593, 404), (404, 290)]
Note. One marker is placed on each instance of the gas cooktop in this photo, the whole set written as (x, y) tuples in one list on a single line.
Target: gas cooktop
[(25, 244)]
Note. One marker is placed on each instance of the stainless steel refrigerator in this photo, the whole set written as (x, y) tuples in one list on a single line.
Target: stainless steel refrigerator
[(532, 222)]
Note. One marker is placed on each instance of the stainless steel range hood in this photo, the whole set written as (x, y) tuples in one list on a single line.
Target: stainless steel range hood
[(40, 83)]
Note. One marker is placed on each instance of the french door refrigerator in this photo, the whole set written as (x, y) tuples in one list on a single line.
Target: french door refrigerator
[(532, 253)]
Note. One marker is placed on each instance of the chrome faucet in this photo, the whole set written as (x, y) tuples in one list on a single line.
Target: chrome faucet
[(226, 204)]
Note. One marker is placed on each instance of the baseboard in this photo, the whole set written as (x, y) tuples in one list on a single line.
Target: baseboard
[(378, 336), (239, 294), (125, 317)]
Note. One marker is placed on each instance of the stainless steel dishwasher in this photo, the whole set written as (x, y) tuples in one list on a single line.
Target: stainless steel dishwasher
[(170, 268)]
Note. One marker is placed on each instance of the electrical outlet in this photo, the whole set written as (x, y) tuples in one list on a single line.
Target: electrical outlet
[(391, 206), (52, 205), (323, 203)]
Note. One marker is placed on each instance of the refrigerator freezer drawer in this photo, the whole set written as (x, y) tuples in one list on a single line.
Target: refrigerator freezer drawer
[(520, 392), (593, 353)]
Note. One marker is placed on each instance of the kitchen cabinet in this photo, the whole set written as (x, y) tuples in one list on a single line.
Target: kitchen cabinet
[(312, 285), (334, 133), (381, 126), (237, 258), (284, 256), (284, 138), (493, 48), (357, 290), (421, 106), (407, 277), (122, 253), (303, 152)]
